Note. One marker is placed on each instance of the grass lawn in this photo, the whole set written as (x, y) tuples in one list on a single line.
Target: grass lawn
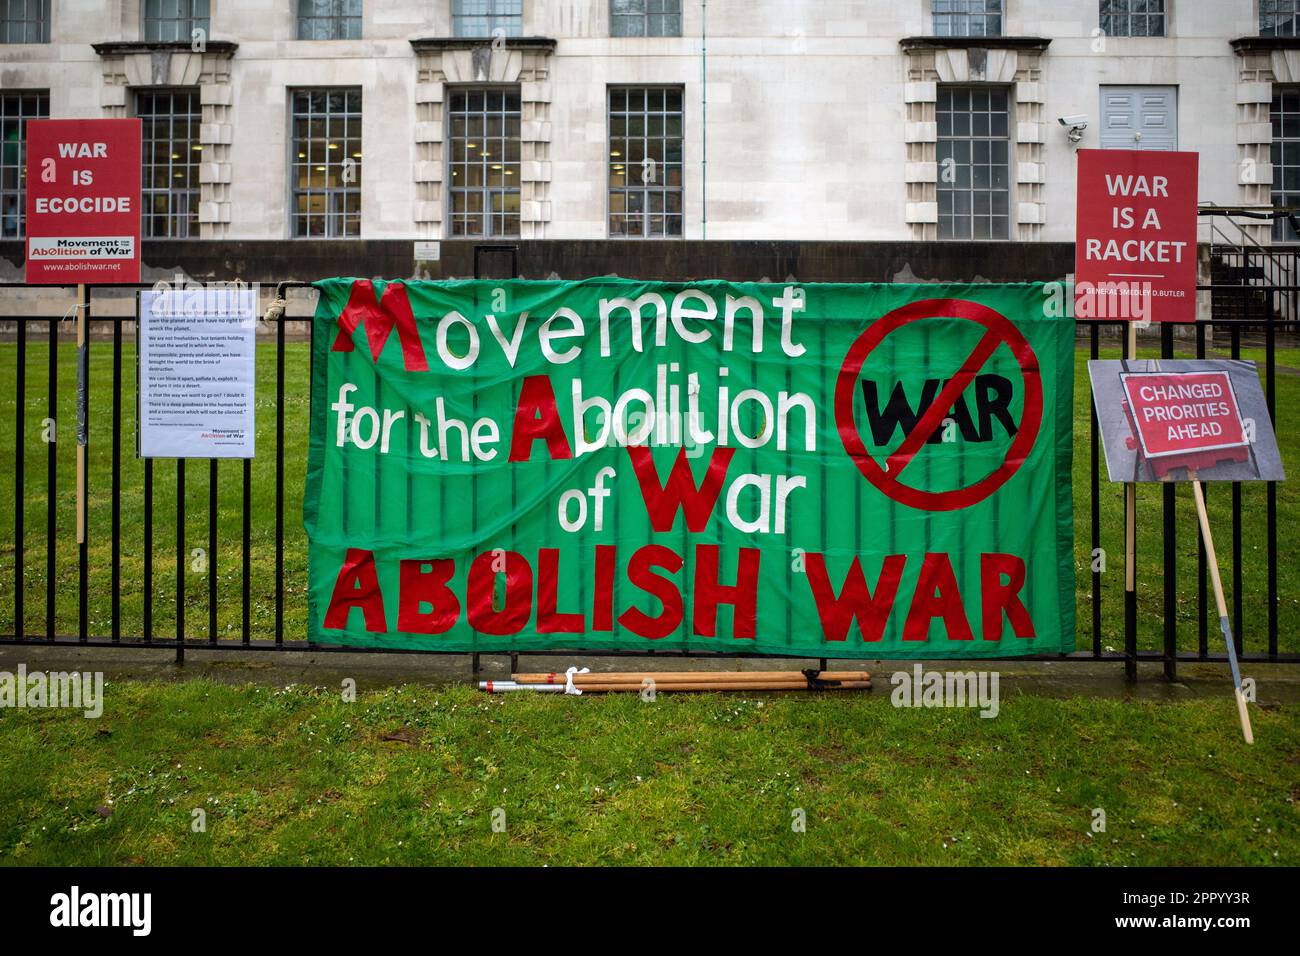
[(414, 775), (230, 492)]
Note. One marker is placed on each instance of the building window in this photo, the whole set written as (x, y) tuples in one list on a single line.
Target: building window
[(1279, 18), (173, 20), (1133, 18), (483, 18), (967, 18), (645, 18), (484, 162), (645, 162), (973, 152), (1285, 115), (15, 110), (24, 21), (329, 19), (171, 154), (326, 164)]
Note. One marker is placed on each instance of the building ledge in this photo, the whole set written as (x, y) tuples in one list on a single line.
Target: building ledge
[(124, 47), (675, 260), (435, 44), (1264, 44), (974, 43)]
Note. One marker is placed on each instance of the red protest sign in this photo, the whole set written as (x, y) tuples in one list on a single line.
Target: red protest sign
[(83, 201), (1135, 239), (1185, 419)]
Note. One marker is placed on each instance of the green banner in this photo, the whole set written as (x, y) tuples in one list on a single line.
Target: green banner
[(868, 471)]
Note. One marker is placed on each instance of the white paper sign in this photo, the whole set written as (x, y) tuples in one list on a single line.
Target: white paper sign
[(197, 372)]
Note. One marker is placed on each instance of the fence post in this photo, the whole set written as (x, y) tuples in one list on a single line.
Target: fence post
[(83, 460)]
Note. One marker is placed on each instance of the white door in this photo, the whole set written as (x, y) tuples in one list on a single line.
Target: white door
[(1139, 117)]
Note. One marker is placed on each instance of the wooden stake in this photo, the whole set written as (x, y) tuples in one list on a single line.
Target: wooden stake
[(1224, 624), (633, 687), (83, 389), (703, 687), (1130, 533), (623, 677)]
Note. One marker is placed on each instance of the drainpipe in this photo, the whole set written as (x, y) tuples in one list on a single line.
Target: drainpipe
[(704, 119)]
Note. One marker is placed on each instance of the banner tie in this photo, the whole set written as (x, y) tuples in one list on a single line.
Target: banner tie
[(568, 680)]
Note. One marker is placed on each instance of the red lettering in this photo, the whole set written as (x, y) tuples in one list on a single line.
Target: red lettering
[(548, 587), (998, 597), (743, 595), (855, 600), (663, 501), (379, 317), (357, 586), (537, 417), (602, 602), (640, 573), (419, 586), (936, 596), (483, 616)]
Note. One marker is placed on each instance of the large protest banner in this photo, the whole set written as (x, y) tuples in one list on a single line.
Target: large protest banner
[(822, 470)]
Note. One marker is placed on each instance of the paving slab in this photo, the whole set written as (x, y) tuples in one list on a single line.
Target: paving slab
[(1275, 683)]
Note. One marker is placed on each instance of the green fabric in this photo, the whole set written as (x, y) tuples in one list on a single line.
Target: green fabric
[(404, 505)]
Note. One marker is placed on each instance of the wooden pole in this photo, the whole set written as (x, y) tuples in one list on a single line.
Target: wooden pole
[(632, 687), (623, 677), (83, 389), (1224, 624), (1130, 540)]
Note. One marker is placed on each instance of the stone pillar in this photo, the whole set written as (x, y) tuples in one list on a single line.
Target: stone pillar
[(522, 62), (930, 61), (127, 66)]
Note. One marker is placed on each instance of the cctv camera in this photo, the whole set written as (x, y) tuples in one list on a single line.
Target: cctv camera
[(1075, 125)]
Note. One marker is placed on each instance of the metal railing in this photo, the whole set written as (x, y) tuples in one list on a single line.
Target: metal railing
[(250, 560)]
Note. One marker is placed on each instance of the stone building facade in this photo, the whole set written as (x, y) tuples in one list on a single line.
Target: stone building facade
[(808, 120)]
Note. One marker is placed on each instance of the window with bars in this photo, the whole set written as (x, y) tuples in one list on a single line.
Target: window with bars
[(326, 164), (329, 19), (1285, 115), (484, 162), (482, 18), (170, 151), (645, 161), (645, 18), (1133, 18), (967, 18), (171, 20), (974, 150), (24, 21), (15, 110), (1279, 18)]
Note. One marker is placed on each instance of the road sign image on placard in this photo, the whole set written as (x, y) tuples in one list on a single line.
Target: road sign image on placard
[(1184, 420)]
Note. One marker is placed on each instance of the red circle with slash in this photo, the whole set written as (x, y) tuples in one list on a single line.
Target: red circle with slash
[(999, 331)]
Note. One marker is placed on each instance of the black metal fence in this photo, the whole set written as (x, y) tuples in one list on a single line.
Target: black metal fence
[(86, 605)]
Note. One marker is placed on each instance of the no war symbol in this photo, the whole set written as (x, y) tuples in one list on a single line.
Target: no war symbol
[(941, 392)]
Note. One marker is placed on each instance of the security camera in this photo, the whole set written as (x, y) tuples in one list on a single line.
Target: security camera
[(1076, 125)]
